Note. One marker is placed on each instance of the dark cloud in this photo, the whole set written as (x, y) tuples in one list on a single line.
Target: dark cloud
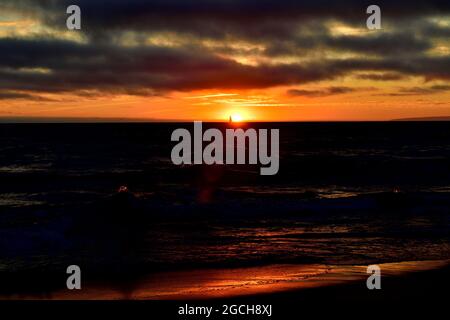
[(420, 91), (218, 18), (389, 76), (103, 65), (431, 68), (231, 10), (436, 31), (144, 70), (397, 43), (426, 90), (19, 95), (374, 44), (320, 93)]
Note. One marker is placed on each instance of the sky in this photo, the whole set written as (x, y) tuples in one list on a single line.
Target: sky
[(261, 60)]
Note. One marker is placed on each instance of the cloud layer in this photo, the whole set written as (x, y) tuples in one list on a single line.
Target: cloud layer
[(154, 47)]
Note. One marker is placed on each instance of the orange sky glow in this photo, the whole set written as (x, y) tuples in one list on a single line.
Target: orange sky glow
[(234, 74)]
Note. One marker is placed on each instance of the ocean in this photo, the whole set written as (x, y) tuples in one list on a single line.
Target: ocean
[(345, 194)]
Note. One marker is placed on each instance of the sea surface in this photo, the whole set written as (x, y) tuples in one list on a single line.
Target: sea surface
[(345, 194)]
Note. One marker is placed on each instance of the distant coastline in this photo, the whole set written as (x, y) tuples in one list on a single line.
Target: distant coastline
[(150, 120), (445, 118)]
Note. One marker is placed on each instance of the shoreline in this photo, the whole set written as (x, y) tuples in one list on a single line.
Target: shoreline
[(272, 281)]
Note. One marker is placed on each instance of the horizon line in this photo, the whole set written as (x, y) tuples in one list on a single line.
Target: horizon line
[(13, 119)]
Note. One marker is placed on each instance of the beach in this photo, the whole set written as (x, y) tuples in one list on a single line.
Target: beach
[(267, 282)]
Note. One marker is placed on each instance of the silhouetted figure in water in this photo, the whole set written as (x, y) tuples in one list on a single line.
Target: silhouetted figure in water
[(123, 203), (113, 230)]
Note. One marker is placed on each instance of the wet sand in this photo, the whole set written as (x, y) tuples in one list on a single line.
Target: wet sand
[(272, 281)]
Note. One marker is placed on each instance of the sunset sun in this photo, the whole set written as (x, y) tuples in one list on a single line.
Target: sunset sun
[(236, 117)]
